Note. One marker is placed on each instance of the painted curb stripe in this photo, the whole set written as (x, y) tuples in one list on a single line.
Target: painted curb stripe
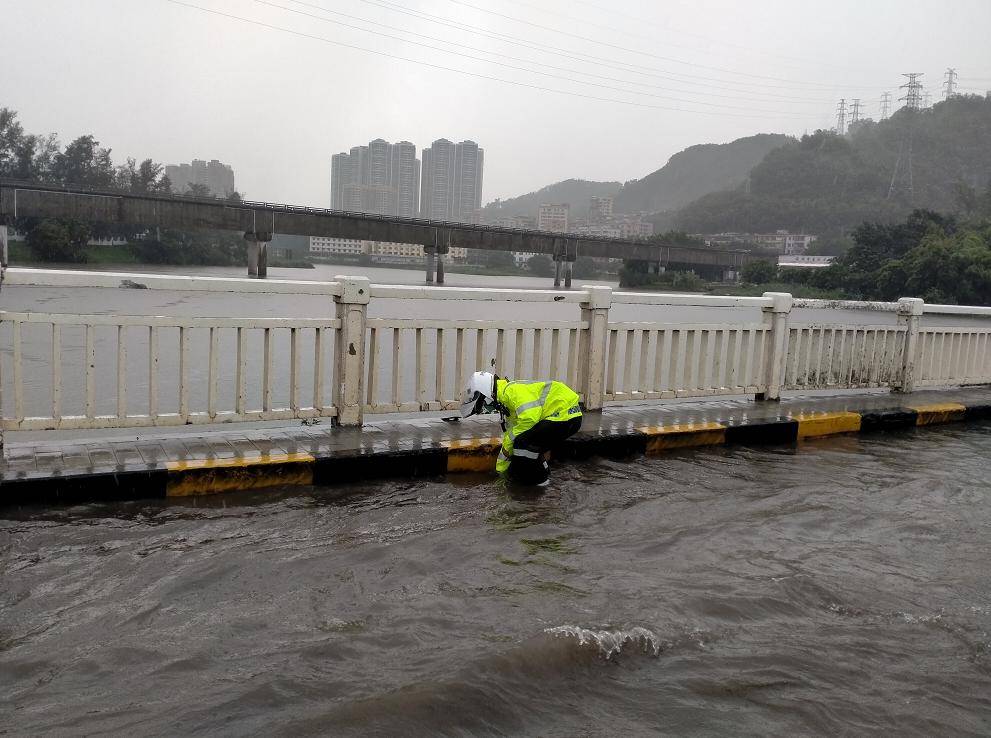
[(947, 412), (817, 425), (472, 454), (662, 438), (210, 476)]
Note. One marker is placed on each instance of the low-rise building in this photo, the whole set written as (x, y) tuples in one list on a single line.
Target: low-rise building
[(785, 242), (326, 246), (804, 261), (553, 218)]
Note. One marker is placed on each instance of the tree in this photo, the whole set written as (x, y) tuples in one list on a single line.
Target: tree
[(84, 162), (759, 272), (195, 189), (540, 265), (58, 241)]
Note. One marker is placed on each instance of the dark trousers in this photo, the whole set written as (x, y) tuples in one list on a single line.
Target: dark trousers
[(541, 438)]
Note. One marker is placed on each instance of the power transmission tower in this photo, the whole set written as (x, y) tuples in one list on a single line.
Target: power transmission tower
[(841, 117), (949, 83), (901, 179), (855, 113), (885, 104), (926, 100), (913, 91)]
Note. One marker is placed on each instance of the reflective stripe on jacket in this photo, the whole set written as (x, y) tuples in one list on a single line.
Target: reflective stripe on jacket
[(527, 404)]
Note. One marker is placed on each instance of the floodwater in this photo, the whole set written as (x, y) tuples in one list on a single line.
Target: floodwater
[(840, 588)]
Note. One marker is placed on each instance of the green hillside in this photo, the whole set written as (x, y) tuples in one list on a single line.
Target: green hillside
[(697, 171), (575, 192), (829, 184)]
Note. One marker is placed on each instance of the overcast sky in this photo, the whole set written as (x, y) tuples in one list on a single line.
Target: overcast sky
[(153, 78)]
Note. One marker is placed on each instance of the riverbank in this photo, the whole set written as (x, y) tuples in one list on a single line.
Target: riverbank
[(159, 465)]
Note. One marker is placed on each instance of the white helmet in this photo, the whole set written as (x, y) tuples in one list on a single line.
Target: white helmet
[(481, 388)]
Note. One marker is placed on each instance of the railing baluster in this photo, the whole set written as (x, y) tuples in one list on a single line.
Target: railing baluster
[(240, 371), (18, 373), (573, 346), (56, 371), (213, 357), (555, 360), (628, 362), (674, 375), (397, 394), (705, 366), (518, 356), (183, 372), (372, 382), (267, 371), (459, 363), (90, 369), (121, 371), (421, 361), (439, 367), (537, 363), (480, 363), (153, 372), (500, 352), (734, 355), (318, 369), (294, 370), (646, 346), (611, 364), (660, 360), (691, 359)]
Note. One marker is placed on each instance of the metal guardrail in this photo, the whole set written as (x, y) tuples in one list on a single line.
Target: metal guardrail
[(139, 371)]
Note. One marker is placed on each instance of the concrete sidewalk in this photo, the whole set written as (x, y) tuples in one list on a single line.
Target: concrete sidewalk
[(217, 461)]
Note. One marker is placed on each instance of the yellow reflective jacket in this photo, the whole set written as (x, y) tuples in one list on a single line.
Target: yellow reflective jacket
[(527, 403)]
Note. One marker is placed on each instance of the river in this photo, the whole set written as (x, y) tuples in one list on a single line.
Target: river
[(841, 588)]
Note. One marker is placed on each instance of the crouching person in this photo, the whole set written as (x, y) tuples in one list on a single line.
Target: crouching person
[(537, 415)]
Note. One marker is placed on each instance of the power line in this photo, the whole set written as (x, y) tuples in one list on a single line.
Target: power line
[(516, 83), (512, 58), (586, 57), (515, 68), (623, 48), (682, 31)]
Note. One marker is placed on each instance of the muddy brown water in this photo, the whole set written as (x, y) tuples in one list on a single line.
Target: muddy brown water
[(839, 588)]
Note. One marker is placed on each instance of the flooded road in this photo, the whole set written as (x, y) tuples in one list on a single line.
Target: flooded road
[(843, 587)]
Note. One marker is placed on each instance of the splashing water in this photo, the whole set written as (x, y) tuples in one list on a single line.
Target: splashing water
[(610, 642)]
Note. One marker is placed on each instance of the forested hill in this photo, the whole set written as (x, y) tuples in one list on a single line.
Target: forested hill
[(828, 184), (697, 171), (575, 192)]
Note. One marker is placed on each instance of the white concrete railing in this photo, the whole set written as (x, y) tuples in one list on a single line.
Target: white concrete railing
[(174, 370)]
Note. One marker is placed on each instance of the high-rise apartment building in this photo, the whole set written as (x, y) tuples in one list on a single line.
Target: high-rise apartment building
[(216, 176), (451, 188), (379, 178), (553, 218)]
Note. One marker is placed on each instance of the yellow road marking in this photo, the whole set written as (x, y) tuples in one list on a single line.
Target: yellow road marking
[(472, 454), (946, 412), (683, 435), (816, 425), (210, 476)]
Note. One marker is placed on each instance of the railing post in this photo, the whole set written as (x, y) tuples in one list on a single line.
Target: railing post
[(777, 314), (909, 315), (592, 346), (349, 349)]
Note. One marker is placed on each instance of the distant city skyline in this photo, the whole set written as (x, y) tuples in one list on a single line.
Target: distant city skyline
[(216, 176), (389, 179)]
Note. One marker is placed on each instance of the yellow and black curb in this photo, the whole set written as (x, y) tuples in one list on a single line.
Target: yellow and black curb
[(210, 476)]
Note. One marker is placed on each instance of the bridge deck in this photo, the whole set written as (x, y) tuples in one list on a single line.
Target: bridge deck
[(184, 464)]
